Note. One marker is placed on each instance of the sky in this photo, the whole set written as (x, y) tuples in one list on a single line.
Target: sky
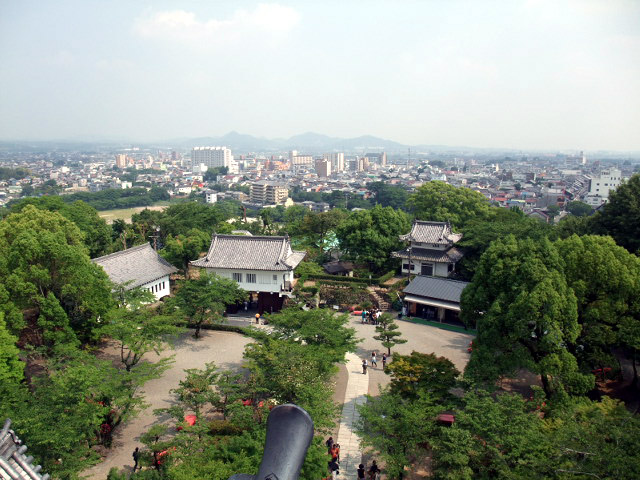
[(526, 74)]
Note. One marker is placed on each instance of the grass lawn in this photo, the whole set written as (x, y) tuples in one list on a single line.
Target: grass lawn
[(126, 213)]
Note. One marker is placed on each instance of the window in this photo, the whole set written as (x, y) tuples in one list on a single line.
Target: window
[(251, 278), (238, 277), (406, 266), (275, 279)]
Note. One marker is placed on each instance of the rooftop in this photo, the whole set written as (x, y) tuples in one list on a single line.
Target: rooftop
[(250, 253), (137, 265), (436, 288), (14, 464), (432, 232)]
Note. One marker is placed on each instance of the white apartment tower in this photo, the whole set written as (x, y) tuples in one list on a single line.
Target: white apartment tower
[(212, 157), (337, 161)]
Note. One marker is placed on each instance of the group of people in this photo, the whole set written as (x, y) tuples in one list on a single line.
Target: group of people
[(371, 316), (374, 362), (333, 449)]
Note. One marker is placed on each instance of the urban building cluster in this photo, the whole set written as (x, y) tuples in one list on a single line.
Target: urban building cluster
[(532, 183)]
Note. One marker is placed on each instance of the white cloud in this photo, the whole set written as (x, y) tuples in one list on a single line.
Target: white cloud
[(183, 26)]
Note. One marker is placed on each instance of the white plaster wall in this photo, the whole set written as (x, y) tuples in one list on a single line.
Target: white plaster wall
[(264, 279), (157, 288)]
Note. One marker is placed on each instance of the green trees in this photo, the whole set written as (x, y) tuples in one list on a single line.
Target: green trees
[(370, 236), (11, 368), (45, 267), (526, 316), (620, 217), (440, 202), (323, 329), (204, 299), (388, 333), (579, 209), (182, 249), (421, 372), (389, 195)]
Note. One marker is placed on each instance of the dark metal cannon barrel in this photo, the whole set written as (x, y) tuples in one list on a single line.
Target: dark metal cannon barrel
[(289, 434)]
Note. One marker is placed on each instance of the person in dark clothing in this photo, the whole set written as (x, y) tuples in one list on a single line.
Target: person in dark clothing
[(334, 469), (329, 444), (136, 457), (373, 470), (364, 366), (361, 472)]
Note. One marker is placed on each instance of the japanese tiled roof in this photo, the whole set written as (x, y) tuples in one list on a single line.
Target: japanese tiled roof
[(452, 255), (436, 287), (137, 265), (432, 232), (250, 253), (14, 464)]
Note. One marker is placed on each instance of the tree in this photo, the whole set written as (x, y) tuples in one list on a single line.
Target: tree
[(553, 210), (422, 373), (571, 225), (11, 367), (139, 331), (440, 202), (319, 328), (620, 217), (204, 299), (45, 267), (397, 429), (579, 209), (196, 390), (388, 333), (318, 225), (606, 280), (526, 316), (370, 236), (389, 195), (182, 249), (499, 222)]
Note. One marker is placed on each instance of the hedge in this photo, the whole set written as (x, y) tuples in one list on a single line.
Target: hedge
[(443, 326), (337, 278)]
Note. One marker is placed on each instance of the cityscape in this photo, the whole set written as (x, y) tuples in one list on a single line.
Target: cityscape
[(358, 240)]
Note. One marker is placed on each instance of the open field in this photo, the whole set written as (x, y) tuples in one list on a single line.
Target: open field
[(125, 213)]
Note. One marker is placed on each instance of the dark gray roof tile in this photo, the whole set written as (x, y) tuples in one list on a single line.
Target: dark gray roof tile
[(137, 265), (436, 288)]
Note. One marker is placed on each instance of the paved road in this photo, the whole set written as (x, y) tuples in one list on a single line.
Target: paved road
[(223, 348)]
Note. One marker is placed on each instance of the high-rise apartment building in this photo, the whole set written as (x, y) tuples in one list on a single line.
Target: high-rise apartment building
[(323, 167), (212, 157), (337, 161), (121, 160), (268, 193), (379, 158)]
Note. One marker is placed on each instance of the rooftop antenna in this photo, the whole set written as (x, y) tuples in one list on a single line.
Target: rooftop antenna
[(409, 159)]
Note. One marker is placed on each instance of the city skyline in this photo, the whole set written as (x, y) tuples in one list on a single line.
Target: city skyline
[(531, 75)]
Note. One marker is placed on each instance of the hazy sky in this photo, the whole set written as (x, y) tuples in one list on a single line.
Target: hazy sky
[(523, 74)]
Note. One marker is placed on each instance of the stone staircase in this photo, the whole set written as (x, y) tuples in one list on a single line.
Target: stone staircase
[(379, 300)]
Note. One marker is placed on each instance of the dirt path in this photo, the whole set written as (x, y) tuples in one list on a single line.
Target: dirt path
[(223, 348)]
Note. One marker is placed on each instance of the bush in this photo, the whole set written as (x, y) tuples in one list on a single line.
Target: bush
[(385, 277), (224, 427)]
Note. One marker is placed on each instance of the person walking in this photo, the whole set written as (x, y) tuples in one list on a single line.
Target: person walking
[(374, 362), (136, 457), (329, 444), (257, 318), (334, 469), (384, 361), (364, 366), (361, 472), (374, 471), (364, 316)]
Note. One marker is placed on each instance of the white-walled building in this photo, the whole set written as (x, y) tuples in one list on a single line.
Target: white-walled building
[(261, 265), (601, 186), (210, 196), (212, 157), (431, 251), (138, 267)]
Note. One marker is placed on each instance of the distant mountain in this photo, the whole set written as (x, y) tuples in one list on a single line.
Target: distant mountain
[(308, 142)]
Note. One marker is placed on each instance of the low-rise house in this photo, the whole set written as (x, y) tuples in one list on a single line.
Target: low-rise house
[(261, 265), (139, 267), (431, 249)]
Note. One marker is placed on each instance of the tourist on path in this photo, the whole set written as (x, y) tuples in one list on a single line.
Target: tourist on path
[(334, 469), (384, 361), (329, 444), (364, 366), (364, 316), (361, 472), (136, 457), (374, 471), (374, 362), (257, 319)]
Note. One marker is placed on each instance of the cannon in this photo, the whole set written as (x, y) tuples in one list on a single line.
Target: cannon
[(289, 434)]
